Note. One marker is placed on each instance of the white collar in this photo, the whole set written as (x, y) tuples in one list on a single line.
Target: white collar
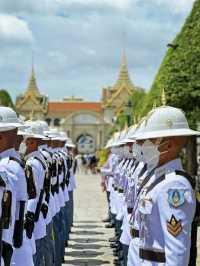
[(169, 167)]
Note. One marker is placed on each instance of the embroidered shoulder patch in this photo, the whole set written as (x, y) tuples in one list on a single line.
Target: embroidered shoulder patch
[(174, 227), (176, 197)]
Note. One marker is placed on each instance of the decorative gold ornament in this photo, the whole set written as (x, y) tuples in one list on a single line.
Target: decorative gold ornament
[(169, 123)]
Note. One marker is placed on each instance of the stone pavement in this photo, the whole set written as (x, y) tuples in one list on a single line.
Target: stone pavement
[(88, 245)]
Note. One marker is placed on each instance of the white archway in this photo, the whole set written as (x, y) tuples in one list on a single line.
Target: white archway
[(87, 124)]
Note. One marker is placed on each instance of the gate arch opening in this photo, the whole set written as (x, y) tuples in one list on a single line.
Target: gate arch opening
[(86, 144)]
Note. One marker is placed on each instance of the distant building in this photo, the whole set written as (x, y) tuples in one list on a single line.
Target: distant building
[(87, 123)]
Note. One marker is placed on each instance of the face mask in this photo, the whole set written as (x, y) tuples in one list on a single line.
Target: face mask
[(120, 152), (22, 148), (151, 154), (137, 152), (127, 152), (113, 150)]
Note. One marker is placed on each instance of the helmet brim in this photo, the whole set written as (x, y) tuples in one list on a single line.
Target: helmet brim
[(166, 133)]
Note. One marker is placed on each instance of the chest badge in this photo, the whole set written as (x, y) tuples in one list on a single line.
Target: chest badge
[(176, 197), (174, 227)]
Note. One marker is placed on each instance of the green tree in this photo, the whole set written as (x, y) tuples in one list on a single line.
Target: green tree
[(179, 74), (136, 100), (5, 99)]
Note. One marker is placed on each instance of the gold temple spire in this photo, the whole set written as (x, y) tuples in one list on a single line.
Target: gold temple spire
[(123, 74), (32, 85), (163, 97), (123, 58)]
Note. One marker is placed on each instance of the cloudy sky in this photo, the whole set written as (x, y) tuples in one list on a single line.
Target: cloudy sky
[(77, 43)]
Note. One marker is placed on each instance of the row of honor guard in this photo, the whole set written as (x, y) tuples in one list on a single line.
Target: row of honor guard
[(153, 202), (36, 192)]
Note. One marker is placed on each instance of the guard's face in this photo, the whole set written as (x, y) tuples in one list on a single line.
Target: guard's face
[(19, 140), (165, 147), (8, 139), (3, 142), (48, 142), (32, 144), (130, 145)]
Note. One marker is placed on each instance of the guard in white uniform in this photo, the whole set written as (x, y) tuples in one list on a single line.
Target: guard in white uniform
[(36, 210), (24, 253), (72, 181), (166, 199), (16, 196)]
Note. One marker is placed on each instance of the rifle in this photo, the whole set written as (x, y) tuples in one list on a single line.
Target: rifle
[(6, 205), (39, 205), (31, 189), (19, 227)]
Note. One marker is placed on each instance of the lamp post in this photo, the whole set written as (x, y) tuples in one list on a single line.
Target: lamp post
[(128, 112)]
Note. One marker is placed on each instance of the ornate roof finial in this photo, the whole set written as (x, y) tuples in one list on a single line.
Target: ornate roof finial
[(31, 115), (126, 126), (138, 118), (123, 58), (32, 86), (123, 74), (154, 104), (163, 97), (134, 119)]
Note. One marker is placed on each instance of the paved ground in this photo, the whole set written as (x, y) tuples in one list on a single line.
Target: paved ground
[(89, 239)]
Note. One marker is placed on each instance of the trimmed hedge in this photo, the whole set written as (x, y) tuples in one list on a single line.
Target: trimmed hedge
[(5, 99), (179, 72)]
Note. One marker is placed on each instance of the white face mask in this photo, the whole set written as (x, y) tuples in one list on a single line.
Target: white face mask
[(119, 152), (113, 150), (127, 153), (22, 148), (151, 154), (137, 152)]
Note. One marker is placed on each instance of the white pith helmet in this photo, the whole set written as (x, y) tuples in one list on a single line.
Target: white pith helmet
[(52, 133), (70, 144), (109, 143), (44, 124), (63, 136), (140, 128), (60, 135), (45, 128), (9, 119), (165, 121), (116, 139), (33, 130), (122, 137), (129, 138)]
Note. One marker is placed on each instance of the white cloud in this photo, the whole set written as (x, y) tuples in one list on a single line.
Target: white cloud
[(120, 4), (13, 28), (176, 6), (77, 43)]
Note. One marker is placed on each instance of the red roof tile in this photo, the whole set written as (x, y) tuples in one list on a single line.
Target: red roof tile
[(74, 106)]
